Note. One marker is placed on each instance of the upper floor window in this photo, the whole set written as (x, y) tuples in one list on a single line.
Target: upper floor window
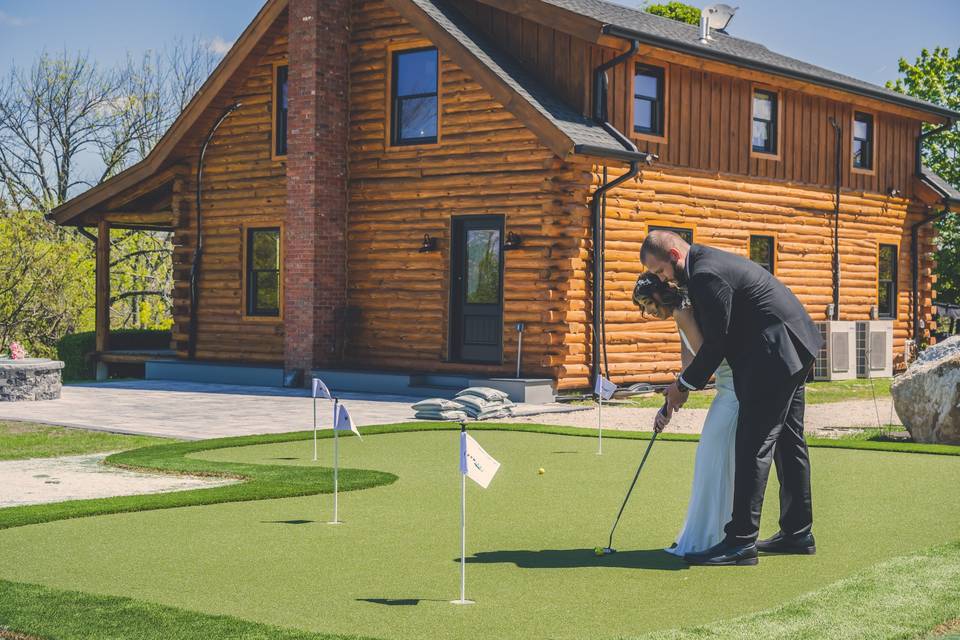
[(764, 121), (648, 100), (414, 97), (762, 251), (263, 272), (862, 141), (887, 281), (280, 112), (683, 232)]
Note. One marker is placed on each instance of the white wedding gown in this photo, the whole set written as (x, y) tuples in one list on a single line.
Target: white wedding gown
[(711, 500)]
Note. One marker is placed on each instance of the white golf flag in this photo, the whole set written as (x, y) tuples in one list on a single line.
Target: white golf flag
[(320, 390), (475, 463), (343, 422), (604, 388)]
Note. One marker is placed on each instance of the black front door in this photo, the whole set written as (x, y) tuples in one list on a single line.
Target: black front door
[(476, 289)]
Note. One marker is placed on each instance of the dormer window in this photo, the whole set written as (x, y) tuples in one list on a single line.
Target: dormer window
[(764, 137), (648, 100), (862, 141), (414, 97)]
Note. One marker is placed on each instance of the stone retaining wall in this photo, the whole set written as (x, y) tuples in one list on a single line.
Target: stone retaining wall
[(30, 379)]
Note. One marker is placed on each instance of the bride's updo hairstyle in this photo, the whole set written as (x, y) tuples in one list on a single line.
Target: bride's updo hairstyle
[(657, 298)]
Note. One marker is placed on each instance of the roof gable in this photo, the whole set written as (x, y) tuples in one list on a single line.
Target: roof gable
[(194, 111)]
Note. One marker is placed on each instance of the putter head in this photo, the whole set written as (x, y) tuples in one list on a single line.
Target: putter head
[(603, 551)]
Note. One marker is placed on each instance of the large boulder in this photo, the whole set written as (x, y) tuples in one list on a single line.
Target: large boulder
[(927, 396)]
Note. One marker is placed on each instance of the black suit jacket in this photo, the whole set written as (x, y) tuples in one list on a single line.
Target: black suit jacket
[(748, 317)]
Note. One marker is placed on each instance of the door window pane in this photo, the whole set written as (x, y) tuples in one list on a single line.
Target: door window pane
[(483, 266)]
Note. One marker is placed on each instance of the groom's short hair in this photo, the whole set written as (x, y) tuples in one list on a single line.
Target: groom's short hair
[(658, 244)]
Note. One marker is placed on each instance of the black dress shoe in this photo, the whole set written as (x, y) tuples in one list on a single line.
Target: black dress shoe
[(804, 545), (725, 554)]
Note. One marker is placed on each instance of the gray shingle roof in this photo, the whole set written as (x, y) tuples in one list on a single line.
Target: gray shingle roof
[(582, 131), (685, 37), (941, 186)]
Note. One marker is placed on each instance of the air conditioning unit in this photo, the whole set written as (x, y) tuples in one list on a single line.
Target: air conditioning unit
[(875, 349), (838, 356)]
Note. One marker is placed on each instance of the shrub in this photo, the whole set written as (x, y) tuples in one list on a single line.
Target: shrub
[(75, 348)]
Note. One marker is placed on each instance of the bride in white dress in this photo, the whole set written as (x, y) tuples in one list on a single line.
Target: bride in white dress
[(711, 498)]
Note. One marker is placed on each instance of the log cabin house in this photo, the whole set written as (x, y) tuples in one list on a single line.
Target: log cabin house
[(400, 185)]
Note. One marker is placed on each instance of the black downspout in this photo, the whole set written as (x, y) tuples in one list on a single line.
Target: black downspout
[(198, 249), (597, 203), (838, 131), (915, 232)]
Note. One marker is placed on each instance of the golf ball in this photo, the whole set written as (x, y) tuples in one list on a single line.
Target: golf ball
[(541, 471), (598, 551)]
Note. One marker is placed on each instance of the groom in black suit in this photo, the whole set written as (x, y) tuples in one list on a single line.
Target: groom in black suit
[(750, 318)]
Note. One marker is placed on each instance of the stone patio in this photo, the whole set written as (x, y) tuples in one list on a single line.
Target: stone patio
[(194, 411)]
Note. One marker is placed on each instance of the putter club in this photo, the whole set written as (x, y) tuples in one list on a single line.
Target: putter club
[(607, 550)]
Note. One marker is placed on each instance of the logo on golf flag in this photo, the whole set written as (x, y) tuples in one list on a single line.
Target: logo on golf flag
[(320, 390), (343, 422), (604, 388), (475, 463)]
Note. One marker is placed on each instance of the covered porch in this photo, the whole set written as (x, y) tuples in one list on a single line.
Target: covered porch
[(152, 204)]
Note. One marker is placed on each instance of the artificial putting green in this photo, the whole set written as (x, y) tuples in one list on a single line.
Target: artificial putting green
[(390, 570)]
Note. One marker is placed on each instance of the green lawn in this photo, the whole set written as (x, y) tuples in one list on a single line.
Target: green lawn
[(817, 393), (20, 440), (223, 570)]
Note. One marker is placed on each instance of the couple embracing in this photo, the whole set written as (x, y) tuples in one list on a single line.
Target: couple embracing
[(739, 322)]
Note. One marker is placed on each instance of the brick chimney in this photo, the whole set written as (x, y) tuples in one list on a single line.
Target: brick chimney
[(315, 231)]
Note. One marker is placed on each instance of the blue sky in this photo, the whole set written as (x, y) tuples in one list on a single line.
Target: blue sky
[(862, 38)]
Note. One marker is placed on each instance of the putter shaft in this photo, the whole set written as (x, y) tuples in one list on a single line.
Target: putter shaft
[(630, 490)]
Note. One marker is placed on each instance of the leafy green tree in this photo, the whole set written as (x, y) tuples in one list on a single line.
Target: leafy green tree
[(935, 76), (675, 11)]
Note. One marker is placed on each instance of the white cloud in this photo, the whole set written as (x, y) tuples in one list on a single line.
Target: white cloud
[(219, 46), (11, 21)]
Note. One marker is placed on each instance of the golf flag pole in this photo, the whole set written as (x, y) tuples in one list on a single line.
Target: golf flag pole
[(319, 390), (604, 390), (463, 519), (336, 464)]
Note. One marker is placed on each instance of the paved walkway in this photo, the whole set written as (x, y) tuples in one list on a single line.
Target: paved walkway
[(198, 411), (42, 480), (821, 419)]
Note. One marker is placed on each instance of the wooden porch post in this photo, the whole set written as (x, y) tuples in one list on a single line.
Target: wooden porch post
[(102, 295)]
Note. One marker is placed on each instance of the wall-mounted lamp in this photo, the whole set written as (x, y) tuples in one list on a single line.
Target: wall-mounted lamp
[(428, 244), (874, 312), (513, 241), (893, 192), (830, 310)]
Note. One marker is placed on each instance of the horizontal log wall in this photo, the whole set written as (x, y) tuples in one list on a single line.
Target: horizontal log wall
[(242, 185), (708, 115), (724, 213), (486, 162)]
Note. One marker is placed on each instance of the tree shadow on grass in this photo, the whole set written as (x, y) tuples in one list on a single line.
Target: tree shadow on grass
[(654, 559)]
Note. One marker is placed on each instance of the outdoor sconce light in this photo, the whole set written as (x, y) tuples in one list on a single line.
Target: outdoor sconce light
[(513, 241), (894, 192), (874, 312), (830, 311), (429, 244)]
